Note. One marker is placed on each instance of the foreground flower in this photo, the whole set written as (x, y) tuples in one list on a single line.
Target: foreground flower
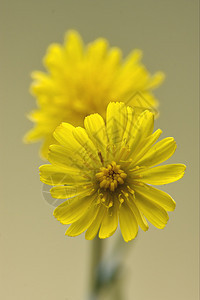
[(107, 169), (83, 80)]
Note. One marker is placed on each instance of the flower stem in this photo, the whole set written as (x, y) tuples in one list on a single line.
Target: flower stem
[(106, 275), (97, 252)]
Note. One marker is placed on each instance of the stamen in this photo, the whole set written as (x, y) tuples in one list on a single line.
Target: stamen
[(112, 186), (125, 194), (98, 201), (121, 199), (135, 169), (99, 193), (123, 175), (99, 175), (110, 204), (120, 180), (103, 183), (138, 183), (111, 176), (130, 190)]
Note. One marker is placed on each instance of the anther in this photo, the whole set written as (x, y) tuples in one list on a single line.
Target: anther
[(121, 200), (111, 176), (110, 204)]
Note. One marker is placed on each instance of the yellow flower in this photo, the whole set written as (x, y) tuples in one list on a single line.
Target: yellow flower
[(106, 173), (81, 80)]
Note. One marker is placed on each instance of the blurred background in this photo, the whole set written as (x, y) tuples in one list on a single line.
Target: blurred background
[(37, 260)]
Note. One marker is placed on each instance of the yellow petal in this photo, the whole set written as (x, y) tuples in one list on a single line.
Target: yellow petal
[(137, 213), (54, 58), (66, 192), (54, 175), (33, 135), (114, 58), (96, 130), (73, 209), (142, 128), (84, 222), (97, 50), (145, 146), (129, 125), (94, 227), (152, 211), (163, 174), (77, 141), (158, 196), (128, 223), (82, 138), (116, 119), (158, 153), (110, 222), (65, 157), (42, 85), (73, 47), (156, 80), (132, 59), (63, 134), (49, 139)]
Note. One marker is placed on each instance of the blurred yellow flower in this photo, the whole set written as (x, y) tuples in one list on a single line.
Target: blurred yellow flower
[(81, 80), (105, 170)]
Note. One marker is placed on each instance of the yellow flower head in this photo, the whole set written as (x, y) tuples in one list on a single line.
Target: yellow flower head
[(105, 170), (82, 80)]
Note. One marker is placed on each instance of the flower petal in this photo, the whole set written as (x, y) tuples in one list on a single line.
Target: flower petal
[(128, 223), (77, 140), (158, 153), (156, 80), (65, 157), (163, 174), (158, 196), (96, 130), (113, 60), (54, 57), (129, 125), (97, 50), (84, 222), (73, 47), (73, 209), (63, 134), (152, 211), (110, 222), (94, 227), (142, 128), (137, 213), (145, 146), (116, 118), (49, 139), (66, 192), (54, 175), (82, 138)]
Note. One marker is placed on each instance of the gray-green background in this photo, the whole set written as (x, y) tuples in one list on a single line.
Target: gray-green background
[(37, 261)]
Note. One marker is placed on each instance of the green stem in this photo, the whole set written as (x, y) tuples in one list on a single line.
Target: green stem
[(105, 274), (97, 252)]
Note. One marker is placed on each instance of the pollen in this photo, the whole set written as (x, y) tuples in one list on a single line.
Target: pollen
[(111, 176)]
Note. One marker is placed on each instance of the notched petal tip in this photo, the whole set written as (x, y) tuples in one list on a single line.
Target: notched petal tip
[(184, 170), (129, 239)]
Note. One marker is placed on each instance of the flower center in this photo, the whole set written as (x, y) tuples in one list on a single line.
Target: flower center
[(111, 176)]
